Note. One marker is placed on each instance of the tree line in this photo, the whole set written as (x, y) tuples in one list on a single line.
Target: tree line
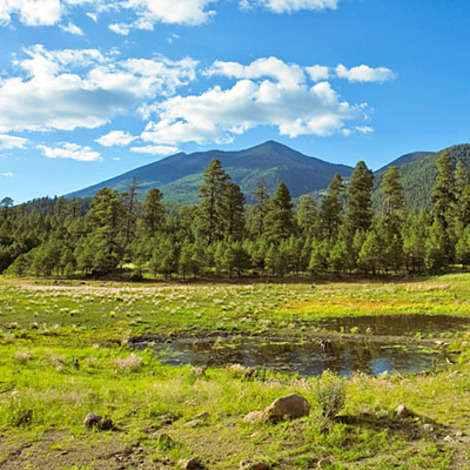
[(341, 233)]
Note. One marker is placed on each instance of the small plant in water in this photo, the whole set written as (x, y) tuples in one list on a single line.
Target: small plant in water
[(330, 395)]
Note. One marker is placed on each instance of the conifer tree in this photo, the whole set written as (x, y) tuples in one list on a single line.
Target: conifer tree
[(307, 216), (331, 208), (260, 209), (154, 211), (359, 211), (280, 217), (232, 212), (210, 223)]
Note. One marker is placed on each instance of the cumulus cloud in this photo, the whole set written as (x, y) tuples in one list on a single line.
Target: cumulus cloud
[(266, 92), (72, 151), (291, 6), (318, 72), (113, 138), (287, 75), (155, 149), (31, 12), (364, 73), (149, 12), (9, 142), (72, 29), (83, 88)]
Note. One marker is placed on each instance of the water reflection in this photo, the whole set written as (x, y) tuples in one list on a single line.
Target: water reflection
[(305, 358)]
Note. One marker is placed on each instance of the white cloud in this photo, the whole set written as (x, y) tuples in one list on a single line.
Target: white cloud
[(82, 88), (31, 12), (364, 73), (318, 72), (288, 75), (8, 174), (286, 101), (364, 129), (120, 28), (116, 138), (290, 6), (11, 142), (92, 16), (72, 151), (190, 12), (155, 149), (72, 29)]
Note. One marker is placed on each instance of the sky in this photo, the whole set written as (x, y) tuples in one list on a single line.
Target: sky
[(91, 89)]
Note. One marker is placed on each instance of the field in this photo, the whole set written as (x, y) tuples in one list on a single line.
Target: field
[(65, 351)]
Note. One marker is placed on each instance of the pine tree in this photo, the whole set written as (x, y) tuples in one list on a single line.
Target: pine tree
[(280, 217), (359, 211), (391, 220), (154, 211), (210, 224), (443, 195), (462, 194), (331, 208), (307, 216), (260, 209), (232, 211)]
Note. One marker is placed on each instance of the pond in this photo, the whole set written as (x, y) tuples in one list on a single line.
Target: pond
[(303, 358), (396, 325), (385, 348)]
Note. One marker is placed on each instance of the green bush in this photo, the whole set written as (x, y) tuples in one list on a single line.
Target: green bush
[(331, 395)]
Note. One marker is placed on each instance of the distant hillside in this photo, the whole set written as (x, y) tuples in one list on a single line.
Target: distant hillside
[(180, 175), (404, 159), (418, 173)]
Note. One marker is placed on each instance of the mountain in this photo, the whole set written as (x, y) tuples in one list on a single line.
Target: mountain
[(404, 159), (179, 176), (418, 174)]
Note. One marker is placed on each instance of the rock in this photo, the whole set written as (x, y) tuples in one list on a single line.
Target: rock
[(428, 428), (255, 417), (250, 465), (95, 421), (403, 412), (448, 439), (198, 420), (191, 464), (290, 407), (92, 420), (459, 434)]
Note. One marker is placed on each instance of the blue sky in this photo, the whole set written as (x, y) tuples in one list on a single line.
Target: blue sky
[(90, 89)]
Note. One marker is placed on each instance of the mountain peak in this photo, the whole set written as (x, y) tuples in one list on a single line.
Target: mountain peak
[(179, 176)]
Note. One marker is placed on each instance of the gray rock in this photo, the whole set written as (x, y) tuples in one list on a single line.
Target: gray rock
[(191, 464)]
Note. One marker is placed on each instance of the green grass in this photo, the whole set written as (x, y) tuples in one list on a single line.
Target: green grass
[(63, 354)]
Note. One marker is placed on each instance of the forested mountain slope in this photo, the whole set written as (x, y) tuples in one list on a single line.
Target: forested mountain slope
[(180, 175)]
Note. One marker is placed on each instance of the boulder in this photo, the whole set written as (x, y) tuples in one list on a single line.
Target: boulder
[(289, 407)]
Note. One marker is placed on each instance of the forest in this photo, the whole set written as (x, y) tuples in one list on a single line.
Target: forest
[(124, 235)]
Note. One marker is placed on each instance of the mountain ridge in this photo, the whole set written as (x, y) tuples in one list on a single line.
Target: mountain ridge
[(179, 175)]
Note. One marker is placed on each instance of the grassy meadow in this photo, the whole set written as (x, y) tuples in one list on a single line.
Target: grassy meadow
[(65, 352)]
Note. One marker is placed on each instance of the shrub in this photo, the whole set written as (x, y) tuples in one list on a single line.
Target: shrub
[(330, 395)]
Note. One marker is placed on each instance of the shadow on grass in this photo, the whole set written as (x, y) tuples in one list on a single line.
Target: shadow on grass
[(411, 428)]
